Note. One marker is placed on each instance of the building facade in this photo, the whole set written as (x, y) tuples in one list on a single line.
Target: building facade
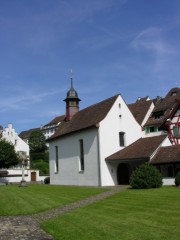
[(80, 145), (9, 134)]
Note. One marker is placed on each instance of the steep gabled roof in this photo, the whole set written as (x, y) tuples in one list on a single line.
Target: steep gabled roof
[(164, 107), (168, 154), (86, 118), (140, 108), (27, 133), (143, 148), (55, 120)]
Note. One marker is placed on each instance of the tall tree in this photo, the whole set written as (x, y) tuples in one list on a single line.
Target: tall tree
[(8, 156), (37, 142)]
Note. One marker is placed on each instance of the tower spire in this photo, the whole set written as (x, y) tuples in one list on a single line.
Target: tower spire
[(71, 77), (72, 100)]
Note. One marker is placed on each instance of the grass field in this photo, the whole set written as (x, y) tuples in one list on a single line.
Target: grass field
[(37, 198), (152, 214)]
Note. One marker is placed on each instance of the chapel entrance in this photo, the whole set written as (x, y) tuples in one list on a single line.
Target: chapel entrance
[(123, 174)]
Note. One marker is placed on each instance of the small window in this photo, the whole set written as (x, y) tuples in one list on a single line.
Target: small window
[(173, 93), (56, 159), (121, 139), (176, 131), (158, 115), (81, 162), (151, 129)]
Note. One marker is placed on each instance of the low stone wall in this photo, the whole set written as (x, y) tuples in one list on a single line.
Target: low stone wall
[(168, 181), (15, 176)]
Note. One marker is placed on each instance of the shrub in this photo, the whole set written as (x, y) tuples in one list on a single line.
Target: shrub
[(146, 176), (177, 179)]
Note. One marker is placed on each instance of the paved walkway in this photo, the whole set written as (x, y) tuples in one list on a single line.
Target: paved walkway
[(27, 227)]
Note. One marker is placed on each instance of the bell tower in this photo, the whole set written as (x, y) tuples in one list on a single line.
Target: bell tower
[(72, 101)]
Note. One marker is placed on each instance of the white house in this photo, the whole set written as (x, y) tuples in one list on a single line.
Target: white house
[(10, 135), (50, 128), (14, 174), (101, 145)]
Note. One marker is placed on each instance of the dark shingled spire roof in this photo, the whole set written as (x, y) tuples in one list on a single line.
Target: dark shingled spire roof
[(86, 118), (72, 94)]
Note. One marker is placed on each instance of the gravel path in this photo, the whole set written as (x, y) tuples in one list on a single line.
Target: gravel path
[(27, 227)]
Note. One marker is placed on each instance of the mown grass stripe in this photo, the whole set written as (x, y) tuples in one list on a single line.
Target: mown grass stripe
[(130, 215)]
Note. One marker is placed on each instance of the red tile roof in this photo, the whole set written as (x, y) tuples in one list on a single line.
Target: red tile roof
[(26, 134), (140, 108), (168, 154), (143, 148), (164, 107), (55, 120), (86, 118)]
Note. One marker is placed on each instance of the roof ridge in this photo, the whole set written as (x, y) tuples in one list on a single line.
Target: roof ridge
[(86, 118), (95, 104)]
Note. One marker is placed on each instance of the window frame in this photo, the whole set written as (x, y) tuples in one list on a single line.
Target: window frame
[(81, 155), (122, 139), (56, 170)]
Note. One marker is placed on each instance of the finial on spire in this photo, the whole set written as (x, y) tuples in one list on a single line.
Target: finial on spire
[(71, 77)]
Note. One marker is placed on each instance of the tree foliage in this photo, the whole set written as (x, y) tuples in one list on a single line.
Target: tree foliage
[(37, 141), (146, 176), (41, 165), (8, 156)]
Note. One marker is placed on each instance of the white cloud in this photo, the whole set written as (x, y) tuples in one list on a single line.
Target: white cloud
[(151, 39), (153, 43), (23, 101)]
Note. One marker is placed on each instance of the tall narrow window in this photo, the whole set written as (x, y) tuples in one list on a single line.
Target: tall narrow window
[(56, 159), (121, 139), (81, 163)]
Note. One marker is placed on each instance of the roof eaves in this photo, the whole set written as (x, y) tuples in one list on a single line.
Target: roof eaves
[(127, 159), (156, 150), (69, 133)]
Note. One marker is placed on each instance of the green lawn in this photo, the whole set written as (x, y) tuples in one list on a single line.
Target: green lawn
[(152, 214), (35, 198)]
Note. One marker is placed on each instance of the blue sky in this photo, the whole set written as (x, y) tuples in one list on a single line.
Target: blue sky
[(113, 46)]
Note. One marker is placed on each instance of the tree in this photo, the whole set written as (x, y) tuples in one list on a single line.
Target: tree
[(38, 154), (37, 142), (8, 156)]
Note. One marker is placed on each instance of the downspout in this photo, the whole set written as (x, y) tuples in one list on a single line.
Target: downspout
[(99, 157)]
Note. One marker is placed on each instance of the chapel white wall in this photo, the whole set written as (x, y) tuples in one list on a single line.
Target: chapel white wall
[(119, 119), (69, 155)]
